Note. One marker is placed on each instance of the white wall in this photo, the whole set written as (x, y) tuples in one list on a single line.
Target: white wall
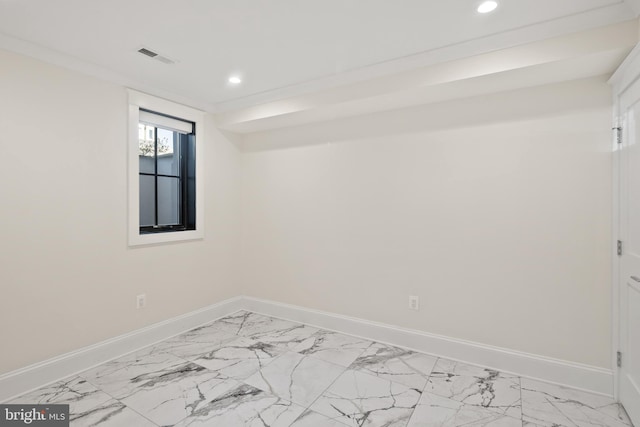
[(67, 277), (495, 211)]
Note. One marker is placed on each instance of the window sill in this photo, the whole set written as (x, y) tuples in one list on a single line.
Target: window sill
[(157, 238)]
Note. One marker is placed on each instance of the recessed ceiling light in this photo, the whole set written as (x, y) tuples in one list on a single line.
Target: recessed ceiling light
[(487, 6), (235, 80)]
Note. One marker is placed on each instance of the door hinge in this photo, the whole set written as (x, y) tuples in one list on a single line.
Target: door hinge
[(619, 247), (618, 131), (619, 359)]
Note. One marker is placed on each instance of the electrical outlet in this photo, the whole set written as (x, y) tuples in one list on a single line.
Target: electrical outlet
[(141, 301), (414, 303)]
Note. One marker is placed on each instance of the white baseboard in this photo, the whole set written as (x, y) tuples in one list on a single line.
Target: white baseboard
[(575, 375), (31, 377), (584, 377)]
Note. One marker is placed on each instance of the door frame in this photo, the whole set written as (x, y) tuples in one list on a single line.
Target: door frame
[(626, 75)]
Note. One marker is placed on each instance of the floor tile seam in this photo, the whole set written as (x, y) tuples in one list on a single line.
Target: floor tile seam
[(568, 418), (169, 364), (308, 408), (363, 351), (228, 330), (519, 378), (520, 400), (116, 399), (183, 362), (318, 329), (100, 388), (596, 409), (287, 349), (385, 379), (79, 374), (321, 328), (46, 385), (371, 376), (278, 344), (259, 336), (630, 424), (326, 388), (488, 409), (267, 363), (506, 377), (428, 376), (364, 371), (322, 415), (188, 415), (332, 331), (232, 336), (309, 356), (313, 356), (137, 412), (423, 389), (494, 409), (212, 322), (194, 358), (222, 376), (437, 357)]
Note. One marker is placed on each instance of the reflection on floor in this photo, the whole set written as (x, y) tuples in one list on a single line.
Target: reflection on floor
[(252, 370)]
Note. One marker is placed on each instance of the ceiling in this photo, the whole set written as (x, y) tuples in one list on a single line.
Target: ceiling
[(292, 49)]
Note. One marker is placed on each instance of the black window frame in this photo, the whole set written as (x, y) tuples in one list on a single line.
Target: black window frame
[(186, 177)]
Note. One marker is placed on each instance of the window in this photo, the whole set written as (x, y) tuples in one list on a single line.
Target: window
[(167, 174), (165, 171)]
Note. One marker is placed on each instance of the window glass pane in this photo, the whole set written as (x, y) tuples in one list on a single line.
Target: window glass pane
[(147, 200), (146, 148), (168, 201), (168, 152)]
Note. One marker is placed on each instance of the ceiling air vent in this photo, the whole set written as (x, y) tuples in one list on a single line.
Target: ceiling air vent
[(156, 56), (147, 52)]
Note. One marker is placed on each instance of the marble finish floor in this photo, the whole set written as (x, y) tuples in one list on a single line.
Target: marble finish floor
[(252, 370)]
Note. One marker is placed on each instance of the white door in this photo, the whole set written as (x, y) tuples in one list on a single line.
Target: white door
[(629, 283)]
